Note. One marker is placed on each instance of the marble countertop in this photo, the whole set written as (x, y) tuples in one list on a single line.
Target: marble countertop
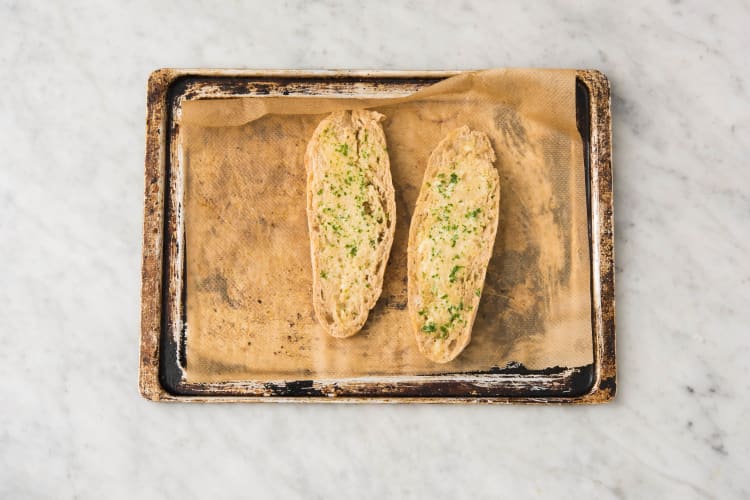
[(72, 110)]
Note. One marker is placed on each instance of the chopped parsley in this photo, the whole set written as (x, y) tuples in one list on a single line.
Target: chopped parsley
[(444, 186), (454, 311), (452, 277), (429, 327), (343, 148), (472, 214)]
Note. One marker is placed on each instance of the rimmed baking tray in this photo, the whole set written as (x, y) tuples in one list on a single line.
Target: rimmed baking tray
[(162, 356)]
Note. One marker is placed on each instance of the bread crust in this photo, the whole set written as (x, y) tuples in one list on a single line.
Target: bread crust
[(351, 215), (451, 238)]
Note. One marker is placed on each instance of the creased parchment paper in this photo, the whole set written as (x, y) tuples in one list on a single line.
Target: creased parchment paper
[(248, 277)]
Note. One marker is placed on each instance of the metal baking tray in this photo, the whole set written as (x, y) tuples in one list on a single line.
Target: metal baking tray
[(162, 345)]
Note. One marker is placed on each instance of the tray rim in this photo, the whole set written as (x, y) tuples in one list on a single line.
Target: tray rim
[(152, 272)]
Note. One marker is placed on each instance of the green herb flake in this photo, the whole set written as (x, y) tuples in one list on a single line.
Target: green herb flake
[(452, 277), (478, 292), (472, 214), (454, 178), (443, 331), (429, 327), (323, 274), (343, 148), (455, 312)]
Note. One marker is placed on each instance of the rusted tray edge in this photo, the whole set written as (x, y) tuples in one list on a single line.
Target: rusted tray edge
[(603, 388)]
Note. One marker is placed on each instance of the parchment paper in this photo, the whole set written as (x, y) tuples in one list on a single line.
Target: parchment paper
[(248, 276)]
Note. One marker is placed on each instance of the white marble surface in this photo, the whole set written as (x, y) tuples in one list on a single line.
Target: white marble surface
[(72, 97)]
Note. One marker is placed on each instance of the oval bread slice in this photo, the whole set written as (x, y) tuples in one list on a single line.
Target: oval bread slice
[(351, 214), (451, 238)]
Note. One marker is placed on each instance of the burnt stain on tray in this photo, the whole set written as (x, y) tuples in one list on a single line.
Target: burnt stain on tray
[(561, 382), (190, 87), (514, 380)]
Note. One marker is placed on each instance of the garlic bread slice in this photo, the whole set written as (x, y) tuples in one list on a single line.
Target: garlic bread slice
[(351, 215), (451, 238)]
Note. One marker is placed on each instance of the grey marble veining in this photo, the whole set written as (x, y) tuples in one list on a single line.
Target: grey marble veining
[(72, 109)]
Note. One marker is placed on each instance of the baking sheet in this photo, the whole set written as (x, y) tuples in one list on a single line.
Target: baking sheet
[(248, 284)]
